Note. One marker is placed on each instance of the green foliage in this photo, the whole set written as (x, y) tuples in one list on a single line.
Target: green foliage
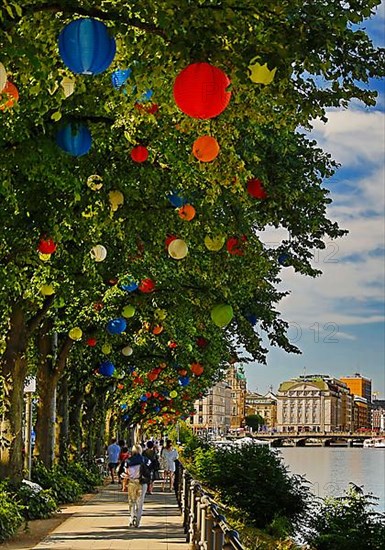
[(254, 480), (11, 515), (36, 504), (254, 421), (64, 488), (346, 523), (88, 477)]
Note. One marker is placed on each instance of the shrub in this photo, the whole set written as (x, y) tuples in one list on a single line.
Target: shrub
[(254, 480), (10, 515), (37, 504), (87, 477), (64, 489), (346, 523)]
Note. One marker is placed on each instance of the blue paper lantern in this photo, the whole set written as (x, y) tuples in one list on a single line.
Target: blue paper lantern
[(184, 380), (106, 368), (74, 140), (86, 47), (146, 96), (120, 77), (123, 406), (284, 259), (157, 408), (116, 326), (126, 417), (252, 318), (176, 200), (143, 398), (130, 287)]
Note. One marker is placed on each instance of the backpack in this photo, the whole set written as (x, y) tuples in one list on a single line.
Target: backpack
[(145, 472)]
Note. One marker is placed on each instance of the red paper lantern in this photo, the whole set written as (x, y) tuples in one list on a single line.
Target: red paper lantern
[(151, 108), (256, 189), (169, 240), (120, 386), (46, 246), (196, 368), (91, 342), (200, 91), (172, 345), (9, 93), (98, 306), (146, 286), (234, 245), (201, 342), (139, 153), (152, 376)]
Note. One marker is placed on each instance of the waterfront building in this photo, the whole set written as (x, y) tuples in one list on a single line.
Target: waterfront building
[(264, 405), (213, 411), (318, 403), (361, 410), (361, 387), (378, 415), (236, 379)]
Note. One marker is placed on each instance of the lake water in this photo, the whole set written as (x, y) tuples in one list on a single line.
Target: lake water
[(330, 469)]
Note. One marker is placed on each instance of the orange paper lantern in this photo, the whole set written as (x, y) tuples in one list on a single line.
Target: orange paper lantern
[(205, 148), (9, 93), (158, 329), (187, 212)]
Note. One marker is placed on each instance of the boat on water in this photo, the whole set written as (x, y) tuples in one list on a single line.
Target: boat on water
[(376, 442)]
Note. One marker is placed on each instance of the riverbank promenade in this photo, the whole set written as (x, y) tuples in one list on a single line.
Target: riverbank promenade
[(101, 523)]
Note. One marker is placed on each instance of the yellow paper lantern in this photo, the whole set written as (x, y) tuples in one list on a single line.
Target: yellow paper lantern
[(260, 74), (214, 244), (160, 314), (95, 182), (68, 85), (128, 311), (44, 257), (47, 290), (116, 199), (127, 351), (75, 333), (99, 253), (177, 249), (222, 315), (173, 394), (3, 77), (106, 349)]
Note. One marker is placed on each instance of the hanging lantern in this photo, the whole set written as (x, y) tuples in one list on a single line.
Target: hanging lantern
[(147, 286), (75, 333), (47, 290), (152, 376), (99, 253), (98, 306), (150, 108), (196, 368), (187, 212), (200, 91), (214, 244), (284, 259), (222, 315), (234, 245), (116, 326), (256, 189), (120, 77), (107, 368), (176, 200), (201, 342), (158, 329), (127, 351), (44, 257), (261, 74), (184, 380), (68, 85), (116, 199), (3, 77), (139, 153), (128, 311), (178, 249), (252, 318), (86, 47), (120, 386), (130, 287), (160, 314), (91, 342), (169, 240), (74, 140), (95, 182), (106, 349), (205, 148), (173, 394), (8, 96), (46, 246)]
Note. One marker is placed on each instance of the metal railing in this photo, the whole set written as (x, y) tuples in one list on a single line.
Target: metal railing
[(205, 527)]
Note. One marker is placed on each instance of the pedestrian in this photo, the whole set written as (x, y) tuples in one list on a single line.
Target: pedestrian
[(137, 470), (113, 451), (123, 456), (168, 457), (152, 455)]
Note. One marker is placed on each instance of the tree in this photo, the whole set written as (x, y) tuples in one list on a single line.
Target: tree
[(254, 421)]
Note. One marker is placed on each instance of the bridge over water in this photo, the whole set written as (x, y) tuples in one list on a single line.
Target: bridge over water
[(278, 439)]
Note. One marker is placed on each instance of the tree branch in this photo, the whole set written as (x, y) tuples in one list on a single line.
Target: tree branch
[(35, 321), (63, 354)]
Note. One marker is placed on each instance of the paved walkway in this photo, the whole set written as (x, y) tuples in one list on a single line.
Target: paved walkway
[(102, 524)]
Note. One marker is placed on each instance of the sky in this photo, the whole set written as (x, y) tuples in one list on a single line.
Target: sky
[(337, 320)]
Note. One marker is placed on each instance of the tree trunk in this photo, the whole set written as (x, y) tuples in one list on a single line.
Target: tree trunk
[(62, 419), (75, 424)]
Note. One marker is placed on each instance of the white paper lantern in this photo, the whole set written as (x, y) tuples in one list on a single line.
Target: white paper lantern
[(127, 351), (3, 77), (95, 182), (99, 253), (177, 249)]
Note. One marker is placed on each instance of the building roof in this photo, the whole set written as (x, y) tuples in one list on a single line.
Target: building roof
[(290, 384)]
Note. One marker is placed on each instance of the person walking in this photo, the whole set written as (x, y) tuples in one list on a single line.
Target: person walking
[(138, 474), (168, 457), (113, 452), (152, 455)]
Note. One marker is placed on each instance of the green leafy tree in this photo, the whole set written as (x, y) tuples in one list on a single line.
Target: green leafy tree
[(254, 421)]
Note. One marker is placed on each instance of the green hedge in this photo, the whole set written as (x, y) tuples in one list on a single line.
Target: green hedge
[(36, 504), (64, 489), (11, 515)]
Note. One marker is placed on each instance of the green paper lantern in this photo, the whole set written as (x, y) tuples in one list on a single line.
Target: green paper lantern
[(128, 311), (222, 314)]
